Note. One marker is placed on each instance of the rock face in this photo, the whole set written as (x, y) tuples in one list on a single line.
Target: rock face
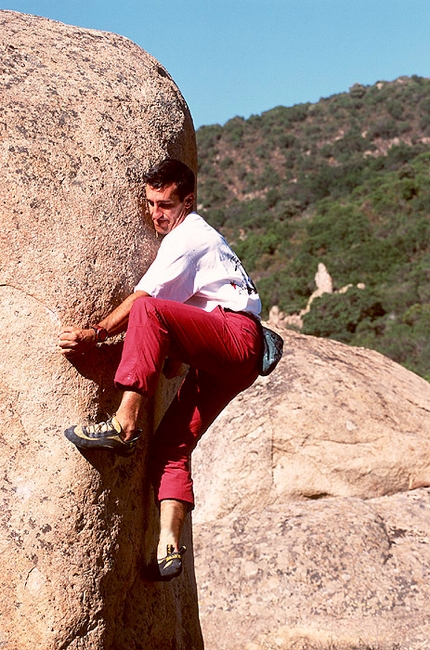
[(335, 574), (333, 420), (311, 486), (83, 114)]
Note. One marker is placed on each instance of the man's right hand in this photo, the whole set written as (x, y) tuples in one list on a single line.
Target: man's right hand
[(74, 340)]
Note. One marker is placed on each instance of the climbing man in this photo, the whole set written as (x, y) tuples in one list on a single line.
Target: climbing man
[(195, 305)]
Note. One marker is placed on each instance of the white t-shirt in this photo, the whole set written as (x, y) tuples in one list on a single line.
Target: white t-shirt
[(196, 266)]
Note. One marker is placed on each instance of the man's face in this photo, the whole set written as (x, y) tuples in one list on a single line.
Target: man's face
[(166, 208)]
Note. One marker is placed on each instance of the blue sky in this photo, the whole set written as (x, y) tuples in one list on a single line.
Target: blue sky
[(242, 57)]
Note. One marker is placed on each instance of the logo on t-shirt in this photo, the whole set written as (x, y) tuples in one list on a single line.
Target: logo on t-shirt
[(246, 284)]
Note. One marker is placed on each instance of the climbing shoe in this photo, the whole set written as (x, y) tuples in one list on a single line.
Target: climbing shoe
[(104, 435), (170, 567)]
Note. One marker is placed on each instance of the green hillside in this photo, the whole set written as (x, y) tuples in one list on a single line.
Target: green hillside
[(345, 182)]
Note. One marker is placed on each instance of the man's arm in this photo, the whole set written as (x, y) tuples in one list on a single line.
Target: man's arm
[(74, 340)]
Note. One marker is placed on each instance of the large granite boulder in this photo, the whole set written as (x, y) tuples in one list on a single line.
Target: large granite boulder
[(83, 114), (311, 493), (332, 420)]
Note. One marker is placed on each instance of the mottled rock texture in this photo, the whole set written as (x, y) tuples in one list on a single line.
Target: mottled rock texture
[(83, 114), (341, 573), (311, 489)]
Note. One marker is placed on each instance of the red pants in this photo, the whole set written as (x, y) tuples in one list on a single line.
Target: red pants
[(223, 351)]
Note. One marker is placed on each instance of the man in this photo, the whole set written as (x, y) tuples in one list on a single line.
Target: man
[(195, 305)]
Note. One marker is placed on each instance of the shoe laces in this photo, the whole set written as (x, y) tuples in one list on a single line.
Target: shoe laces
[(171, 551), (103, 427)]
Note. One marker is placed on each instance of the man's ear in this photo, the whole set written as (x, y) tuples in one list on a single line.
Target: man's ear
[(189, 200)]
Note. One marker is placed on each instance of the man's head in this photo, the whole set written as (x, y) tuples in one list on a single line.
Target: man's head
[(169, 194), (171, 171)]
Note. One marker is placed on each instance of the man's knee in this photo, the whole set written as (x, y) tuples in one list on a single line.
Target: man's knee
[(143, 302), (143, 307)]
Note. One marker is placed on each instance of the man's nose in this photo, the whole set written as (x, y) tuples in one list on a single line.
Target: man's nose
[(156, 211)]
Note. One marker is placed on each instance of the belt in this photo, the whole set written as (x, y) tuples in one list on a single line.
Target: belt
[(243, 313)]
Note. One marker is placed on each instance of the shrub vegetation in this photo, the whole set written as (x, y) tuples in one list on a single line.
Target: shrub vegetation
[(345, 182)]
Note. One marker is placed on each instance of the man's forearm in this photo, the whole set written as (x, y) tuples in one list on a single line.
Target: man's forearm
[(117, 320), (75, 340)]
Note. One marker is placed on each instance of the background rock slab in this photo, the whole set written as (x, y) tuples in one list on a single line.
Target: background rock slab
[(332, 420), (336, 573), (303, 502), (83, 114)]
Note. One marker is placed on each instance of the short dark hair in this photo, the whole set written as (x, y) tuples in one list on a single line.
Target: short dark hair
[(170, 171)]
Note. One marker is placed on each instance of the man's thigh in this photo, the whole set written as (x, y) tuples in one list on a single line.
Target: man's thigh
[(211, 341)]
